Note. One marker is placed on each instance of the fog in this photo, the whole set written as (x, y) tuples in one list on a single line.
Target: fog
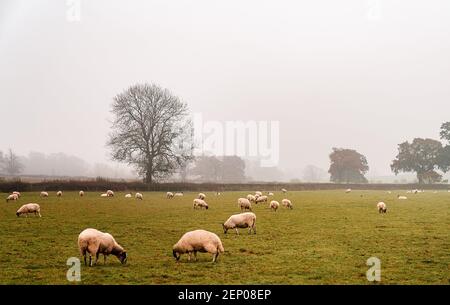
[(365, 75)]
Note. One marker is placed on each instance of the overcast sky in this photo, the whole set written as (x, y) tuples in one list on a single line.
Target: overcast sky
[(358, 74)]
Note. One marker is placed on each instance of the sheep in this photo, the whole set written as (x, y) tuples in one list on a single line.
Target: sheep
[(110, 193), (198, 241), (284, 191), (169, 195), (43, 194), (381, 206), (348, 190), (258, 193), (13, 197), (261, 199), (244, 204), (58, 194), (94, 242), (243, 220), (180, 194), (201, 196), (128, 196), (81, 193), (138, 196), (274, 205), (402, 197), (200, 203), (251, 198), (104, 195), (389, 192), (29, 208), (257, 196), (287, 203), (17, 193), (270, 194)]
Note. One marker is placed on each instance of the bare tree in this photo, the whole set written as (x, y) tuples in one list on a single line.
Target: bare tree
[(11, 163), (150, 131)]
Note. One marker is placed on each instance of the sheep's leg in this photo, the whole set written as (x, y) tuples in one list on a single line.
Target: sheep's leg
[(104, 259), (96, 258), (254, 229), (237, 231), (195, 255), (84, 257), (215, 255), (189, 256), (90, 260)]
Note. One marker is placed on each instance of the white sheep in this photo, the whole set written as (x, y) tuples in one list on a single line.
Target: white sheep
[(198, 241), (258, 193), (389, 192), (81, 193), (138, 196), (13, 197), (94, 243), (402, 197), (261, 199), (274, 205), (201, 196), (180, 194), (110, 193), (28, 209), (200, 203), (270, 194), (251, 198), (128, 196), (244, 204), (287, 203), (169, 195), (348, 190), (381, 206), (104, 195), (43, 194), (284, 191), (17, 193), (58, 194), (243, 220)]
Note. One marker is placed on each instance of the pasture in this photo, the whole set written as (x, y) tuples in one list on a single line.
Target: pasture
[(326, 239)]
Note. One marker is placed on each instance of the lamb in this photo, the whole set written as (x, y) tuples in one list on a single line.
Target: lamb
[(287, 203), (251, 198), (43, 194), (110, 193), (138, 196), (28, 209), (58, 193), (402, 197), (200, 203), (244, 204), (201, 196), (261, 199), (274, 205), (16, 193), (381, 206), (13, 197), (128, 196), (81, 193), (198, 241), (243, 220), (284, 191), (104, 195), (179, 194), (169, 195), (94, 242), (348, 190)]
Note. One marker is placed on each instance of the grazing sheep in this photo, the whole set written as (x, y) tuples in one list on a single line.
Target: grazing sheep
[(201, 196), (28, 209), (284, 191), (251, 198), (287, 203), (81, 193), (169, 195), (243, 220), (104, 195), (110, 193), (200, 203), (402, 197), (244, 204), (138, 196), (258, 193), (198, 241), (179, 194), (348, 190), (389, 192), (16, 193), (218, 194), (381, 206), (128, 196), (43, 194), (94, 242), (261, 199), (274, 205), (58, 194), (270, 194), (13, 197)]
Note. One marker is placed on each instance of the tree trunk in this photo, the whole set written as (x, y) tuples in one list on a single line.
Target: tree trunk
[(148, 174)]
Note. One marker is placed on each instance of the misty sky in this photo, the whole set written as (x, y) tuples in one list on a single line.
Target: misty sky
[(358, 74)]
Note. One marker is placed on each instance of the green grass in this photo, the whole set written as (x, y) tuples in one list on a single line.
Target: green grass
[(325, 239)]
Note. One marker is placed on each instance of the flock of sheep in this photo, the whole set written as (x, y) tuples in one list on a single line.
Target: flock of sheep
[(92, 242)]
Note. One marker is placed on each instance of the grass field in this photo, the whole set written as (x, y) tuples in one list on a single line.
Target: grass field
[(325, 239)]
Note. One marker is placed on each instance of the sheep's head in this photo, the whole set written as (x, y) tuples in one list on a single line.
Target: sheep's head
[(206, 207), (17, 214), (225, 230), (123, 257), (176, 255)]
